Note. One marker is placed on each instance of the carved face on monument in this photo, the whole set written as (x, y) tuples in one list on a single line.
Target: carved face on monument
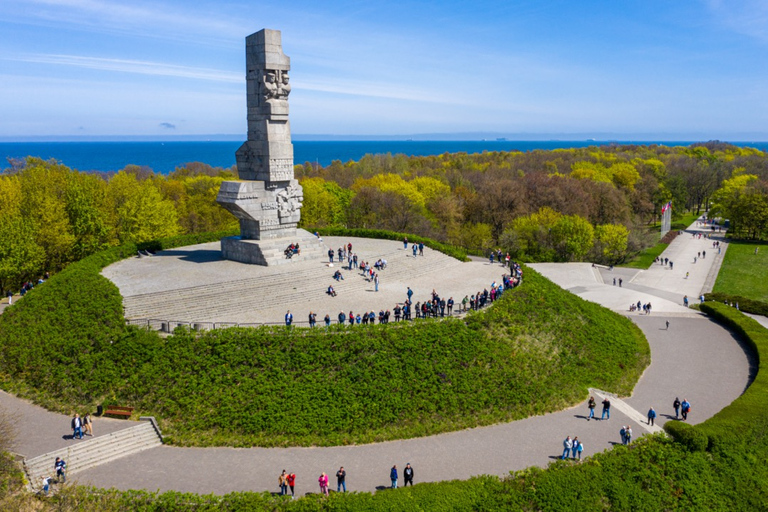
[(270, 85)]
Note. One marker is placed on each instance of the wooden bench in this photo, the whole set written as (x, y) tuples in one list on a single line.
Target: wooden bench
[(116, 410)]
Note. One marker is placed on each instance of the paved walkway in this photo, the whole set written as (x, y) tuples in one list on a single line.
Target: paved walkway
[(694, 358)]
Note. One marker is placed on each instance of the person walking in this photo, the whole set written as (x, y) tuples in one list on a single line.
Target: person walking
[(61, 470), (291, 481), (667, 322), (620, 281), (282, 482), (405, 242), (606, 409), (408, 475), (415, 248), (651, 416), (77, 427), (323, 481), (341, 477), (393, 476), (88, 424), (330, 255), (567, 445), (676, 405), (591, 406), (685, 408), (421, 248), (685, 301)]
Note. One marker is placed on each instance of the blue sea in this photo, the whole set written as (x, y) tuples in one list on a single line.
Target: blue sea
[(164, 157)]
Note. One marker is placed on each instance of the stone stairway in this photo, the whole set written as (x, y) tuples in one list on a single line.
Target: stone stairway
[(213, 302), (87, 454)]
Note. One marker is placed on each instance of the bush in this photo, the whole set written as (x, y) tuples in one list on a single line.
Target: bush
[(754, 307), (687, 435)]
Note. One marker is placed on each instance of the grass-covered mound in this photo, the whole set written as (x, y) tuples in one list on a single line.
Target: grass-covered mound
[(536, 350)]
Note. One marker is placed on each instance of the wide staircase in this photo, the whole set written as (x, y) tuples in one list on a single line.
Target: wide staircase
[(87, 454), (214, 302)]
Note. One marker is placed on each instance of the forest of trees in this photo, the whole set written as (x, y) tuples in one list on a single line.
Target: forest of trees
[(561, 205)]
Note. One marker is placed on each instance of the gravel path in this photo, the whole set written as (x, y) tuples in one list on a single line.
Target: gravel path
[(695, 358)]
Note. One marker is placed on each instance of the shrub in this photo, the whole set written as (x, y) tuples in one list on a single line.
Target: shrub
[(687, 435), (754, 307)]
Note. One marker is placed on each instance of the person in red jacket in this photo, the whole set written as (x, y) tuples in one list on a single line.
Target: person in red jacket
[(291, 479)]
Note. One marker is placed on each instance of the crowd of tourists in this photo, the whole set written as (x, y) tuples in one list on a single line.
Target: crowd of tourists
[(435, 306)]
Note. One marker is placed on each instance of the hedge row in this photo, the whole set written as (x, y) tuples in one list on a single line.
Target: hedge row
[(754, 307), (450, 250)]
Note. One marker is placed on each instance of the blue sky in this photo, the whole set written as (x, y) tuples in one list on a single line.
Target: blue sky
[(655, 69)]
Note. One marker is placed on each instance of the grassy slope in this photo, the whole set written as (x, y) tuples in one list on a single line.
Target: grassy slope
[(743, 273), (65, 347)]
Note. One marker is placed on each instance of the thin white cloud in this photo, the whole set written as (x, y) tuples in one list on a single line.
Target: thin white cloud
[(748, 17), (154, 20), (140, 67)]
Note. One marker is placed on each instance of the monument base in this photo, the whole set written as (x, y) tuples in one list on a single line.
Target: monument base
[(272, 252)]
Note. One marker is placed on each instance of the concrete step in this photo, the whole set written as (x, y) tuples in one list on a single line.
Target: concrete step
[(87, 454)]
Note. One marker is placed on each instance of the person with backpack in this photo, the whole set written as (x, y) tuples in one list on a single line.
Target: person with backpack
[(685, 408), (591, 406), (61, 470)]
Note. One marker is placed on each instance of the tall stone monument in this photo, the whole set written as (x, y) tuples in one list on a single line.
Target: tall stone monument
[(266, 199)]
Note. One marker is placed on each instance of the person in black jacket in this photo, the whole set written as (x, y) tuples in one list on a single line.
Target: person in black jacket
[(408, 474), (341, 477)]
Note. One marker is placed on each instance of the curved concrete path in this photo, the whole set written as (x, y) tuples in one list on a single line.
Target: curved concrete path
[(695, 358)]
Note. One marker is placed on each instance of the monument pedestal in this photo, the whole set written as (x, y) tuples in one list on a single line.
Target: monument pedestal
[(272, 251)]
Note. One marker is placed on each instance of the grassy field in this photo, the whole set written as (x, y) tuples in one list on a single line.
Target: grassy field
[(744, 273)]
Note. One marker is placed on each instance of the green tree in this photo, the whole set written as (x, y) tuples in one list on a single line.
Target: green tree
[(611, 242), (21, 258), (141, 212), (572, 237)]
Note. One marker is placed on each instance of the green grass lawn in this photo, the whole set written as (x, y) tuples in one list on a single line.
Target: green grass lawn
[(744, 273), (646, 257)]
